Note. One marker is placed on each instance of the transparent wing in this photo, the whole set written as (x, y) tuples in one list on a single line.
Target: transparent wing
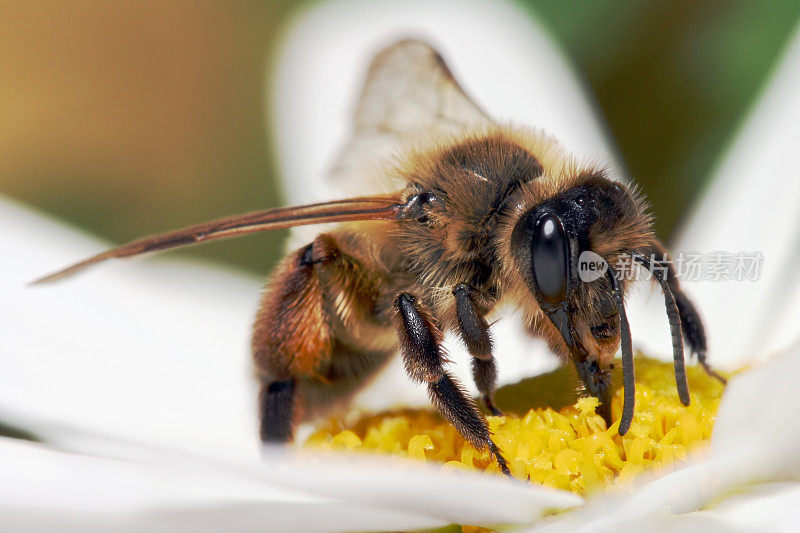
[(408, 88), (409, 91)]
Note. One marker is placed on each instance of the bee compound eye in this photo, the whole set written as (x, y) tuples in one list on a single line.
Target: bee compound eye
[(550, 258)]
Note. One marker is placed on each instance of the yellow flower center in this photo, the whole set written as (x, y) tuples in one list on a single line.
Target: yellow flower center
[(569, 449)]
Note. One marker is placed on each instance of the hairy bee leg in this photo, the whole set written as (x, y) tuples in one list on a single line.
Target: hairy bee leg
[(288, 339), (420, 341), (306, 365), (276, 406), (691, 323), (475, 333), (694, 332)]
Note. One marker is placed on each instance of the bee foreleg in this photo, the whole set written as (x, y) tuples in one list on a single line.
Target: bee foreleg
[(420, 341), (474, 332)]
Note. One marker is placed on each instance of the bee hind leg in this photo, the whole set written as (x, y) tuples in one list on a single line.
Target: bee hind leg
[(308, 363), (276, 407), (420, 341)]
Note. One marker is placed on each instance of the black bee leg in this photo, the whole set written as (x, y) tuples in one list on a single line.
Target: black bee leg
[(691, 324), (276, 407), (420, 341), (475, 334), (693, 331)]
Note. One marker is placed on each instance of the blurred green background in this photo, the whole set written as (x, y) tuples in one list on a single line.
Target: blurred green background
[(128, 118)]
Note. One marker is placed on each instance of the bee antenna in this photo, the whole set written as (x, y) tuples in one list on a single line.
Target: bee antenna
[(628, 372), (659, 272)]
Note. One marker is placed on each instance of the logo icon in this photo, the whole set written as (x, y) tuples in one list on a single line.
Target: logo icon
[(591, 266)]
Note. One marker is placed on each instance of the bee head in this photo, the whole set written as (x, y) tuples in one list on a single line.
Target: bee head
[(567, 248)]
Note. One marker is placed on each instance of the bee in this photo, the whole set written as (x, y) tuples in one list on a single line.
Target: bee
[(483, 213)]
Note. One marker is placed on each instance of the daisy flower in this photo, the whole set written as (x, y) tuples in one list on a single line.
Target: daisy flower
[(131, 394)]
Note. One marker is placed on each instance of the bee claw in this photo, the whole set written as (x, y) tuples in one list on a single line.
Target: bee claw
[(489, 402), (501, 461), (711, 372)]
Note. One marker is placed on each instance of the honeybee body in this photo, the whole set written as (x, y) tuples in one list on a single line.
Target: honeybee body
[(485, 213), (335, 310)]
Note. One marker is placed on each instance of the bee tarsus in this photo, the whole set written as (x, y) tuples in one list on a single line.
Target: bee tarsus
[(276, 402)]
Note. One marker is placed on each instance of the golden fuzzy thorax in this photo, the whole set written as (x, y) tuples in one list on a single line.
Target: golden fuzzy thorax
[(481, 183)]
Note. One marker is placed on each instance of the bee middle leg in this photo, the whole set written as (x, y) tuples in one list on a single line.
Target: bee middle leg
[(420, 341), (475, 334)]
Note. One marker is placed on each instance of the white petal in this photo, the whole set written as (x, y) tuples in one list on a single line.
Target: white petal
[(751, 206), (456, 497), (401, 486), (46, 490), (758, 417), (769, 507), (153, 351), (663, 522)]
